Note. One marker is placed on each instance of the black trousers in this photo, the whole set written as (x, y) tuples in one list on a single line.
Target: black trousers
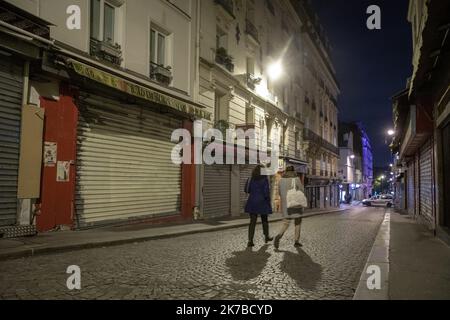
[(252, 226)]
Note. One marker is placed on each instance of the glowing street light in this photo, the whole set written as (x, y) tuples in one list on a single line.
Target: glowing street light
[(352, 156), (391, 132), (275, 70)]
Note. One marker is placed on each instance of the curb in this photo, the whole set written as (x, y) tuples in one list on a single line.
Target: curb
[(377, 263), (33, 251)]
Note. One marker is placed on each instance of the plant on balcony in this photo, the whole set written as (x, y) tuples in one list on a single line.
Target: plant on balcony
[(252, 81), (161, 74), (224, 59), (106, 51)]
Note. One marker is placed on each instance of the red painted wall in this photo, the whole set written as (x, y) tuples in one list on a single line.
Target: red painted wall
[(57, 198)]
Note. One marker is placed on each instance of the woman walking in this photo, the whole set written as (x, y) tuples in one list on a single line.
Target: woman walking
[(258, 203), (288, 180)]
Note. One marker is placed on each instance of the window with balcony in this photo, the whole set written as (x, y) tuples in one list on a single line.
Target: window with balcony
[(160, 69), (104, 17)]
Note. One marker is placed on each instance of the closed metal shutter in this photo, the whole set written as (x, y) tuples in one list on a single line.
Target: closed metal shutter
[(217, 191), (426, 184), (411, 186), (245, 173), (124, 166), (11, 91)]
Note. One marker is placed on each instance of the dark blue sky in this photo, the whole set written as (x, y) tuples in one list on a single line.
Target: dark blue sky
[(371, 66)]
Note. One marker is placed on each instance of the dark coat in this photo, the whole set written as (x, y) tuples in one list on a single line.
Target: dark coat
[(259, 196)]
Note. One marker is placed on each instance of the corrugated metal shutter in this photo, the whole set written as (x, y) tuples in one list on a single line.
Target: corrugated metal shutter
[(124, 166), (217, 191), (11, 90), (245, 173), (426, 184), (410, 189)]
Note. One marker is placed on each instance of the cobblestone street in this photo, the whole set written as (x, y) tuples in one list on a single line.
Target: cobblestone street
[(213, 265)]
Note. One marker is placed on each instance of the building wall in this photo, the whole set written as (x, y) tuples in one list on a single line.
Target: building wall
[(132, 32)]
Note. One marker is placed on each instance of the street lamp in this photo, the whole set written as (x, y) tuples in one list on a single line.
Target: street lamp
[(275, 70), (352, 156), (390, 132)]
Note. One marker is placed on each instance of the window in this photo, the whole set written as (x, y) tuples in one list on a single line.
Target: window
[(221, 39), (103, 21), (158, 44)]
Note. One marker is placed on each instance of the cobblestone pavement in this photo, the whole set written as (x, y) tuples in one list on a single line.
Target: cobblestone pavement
[(213, 265)]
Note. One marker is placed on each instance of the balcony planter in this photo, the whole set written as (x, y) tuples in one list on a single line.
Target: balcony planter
[(106, 51), (224, 59), (252, 81), (161, 74)]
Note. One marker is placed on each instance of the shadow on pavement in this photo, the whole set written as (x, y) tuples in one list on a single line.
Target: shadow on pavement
[(248, 264), (301, 268)]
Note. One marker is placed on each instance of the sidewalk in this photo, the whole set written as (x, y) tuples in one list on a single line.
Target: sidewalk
[(414, 264), (419, 262), (101, 237)]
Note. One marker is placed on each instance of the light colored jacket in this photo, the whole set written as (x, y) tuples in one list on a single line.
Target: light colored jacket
[(285, 186)]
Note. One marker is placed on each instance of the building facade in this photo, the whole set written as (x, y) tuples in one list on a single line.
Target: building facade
[(421, 118), (112, 92), (356, 162), (239, 44), (112, 79)]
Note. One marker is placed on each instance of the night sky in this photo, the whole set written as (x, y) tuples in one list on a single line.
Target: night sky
[(371, 65)]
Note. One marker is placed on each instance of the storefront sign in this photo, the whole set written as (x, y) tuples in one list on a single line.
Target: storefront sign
[(137, 90)]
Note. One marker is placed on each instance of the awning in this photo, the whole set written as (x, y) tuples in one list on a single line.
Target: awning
[(136, 90), (300, 166)]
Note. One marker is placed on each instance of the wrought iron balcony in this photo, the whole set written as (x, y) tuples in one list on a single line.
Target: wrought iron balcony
[(310, 136), (251, 30), (227, 5), (106, 51), (224, 59), (160, 73)]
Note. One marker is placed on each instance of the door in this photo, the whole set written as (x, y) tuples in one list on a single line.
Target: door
[(217, 191), (426, 184), (11, 91), (446, 173)]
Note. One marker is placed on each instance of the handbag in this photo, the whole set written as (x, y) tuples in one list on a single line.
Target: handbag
[(295, 197)]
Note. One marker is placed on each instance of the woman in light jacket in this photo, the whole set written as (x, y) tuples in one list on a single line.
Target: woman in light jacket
[(258, 203), (287, 180)]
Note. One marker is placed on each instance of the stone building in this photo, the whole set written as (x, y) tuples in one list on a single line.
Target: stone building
[(422, 121)]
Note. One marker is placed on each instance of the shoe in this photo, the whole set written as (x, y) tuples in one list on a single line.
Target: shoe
[(298, 244), (250, 244), (268, 239), (276, 242)]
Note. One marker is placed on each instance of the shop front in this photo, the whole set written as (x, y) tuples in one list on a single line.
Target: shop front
[(120, 169)]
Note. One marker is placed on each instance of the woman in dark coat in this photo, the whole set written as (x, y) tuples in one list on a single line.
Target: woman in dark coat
[(258, 203)]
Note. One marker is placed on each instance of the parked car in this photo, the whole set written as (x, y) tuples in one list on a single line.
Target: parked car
[(385, 200)]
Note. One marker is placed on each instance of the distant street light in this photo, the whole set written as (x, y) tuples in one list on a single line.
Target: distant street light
[(352, 156), (391, 132), (275, 70)]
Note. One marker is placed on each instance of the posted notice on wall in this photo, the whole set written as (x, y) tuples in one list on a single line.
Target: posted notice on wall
[(63, 171), (50, 154)]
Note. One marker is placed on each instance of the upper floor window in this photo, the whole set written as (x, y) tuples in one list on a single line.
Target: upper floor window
[(103, 21), (104, 33), (160, 69)]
